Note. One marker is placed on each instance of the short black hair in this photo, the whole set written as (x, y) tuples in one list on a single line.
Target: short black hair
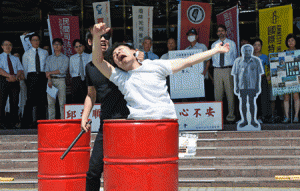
[(4, 41), (111, 51), (34, 34), (222, 26), (59, 40), (77, 40), (257, 40), (289, 36)]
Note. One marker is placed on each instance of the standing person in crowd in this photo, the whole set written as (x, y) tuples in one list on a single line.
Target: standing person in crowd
[(264, 97), (56, 70), (192, 36), (143, 83), (113, 106), (77, 72), (34, 61), (171, 44), (291, 44), (147, 44), (11, 72), (222, 64)]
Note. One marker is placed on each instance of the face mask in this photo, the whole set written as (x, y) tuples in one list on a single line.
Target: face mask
[(192, 38)]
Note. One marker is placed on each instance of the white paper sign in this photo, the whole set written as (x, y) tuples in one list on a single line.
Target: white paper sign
[(189, 82), (52, 91), (26, 42), (200, 116), (74, 111)]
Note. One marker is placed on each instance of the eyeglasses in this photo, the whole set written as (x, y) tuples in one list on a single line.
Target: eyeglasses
[(36, 40), (78, 46), (57, 44), (106, 36)]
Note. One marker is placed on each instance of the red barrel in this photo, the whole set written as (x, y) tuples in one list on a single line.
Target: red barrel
[(140, 155), (54, 137)]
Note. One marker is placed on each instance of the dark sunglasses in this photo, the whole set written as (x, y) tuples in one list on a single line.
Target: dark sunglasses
[(106, 36)]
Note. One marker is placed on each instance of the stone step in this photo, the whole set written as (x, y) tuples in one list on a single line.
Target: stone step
[(228, 142), (188, 171), (24, 145), (236, 171), (247, 160), (20, 173), (238, 182), (18, 154), (18, 138), (244, 134), (190, 182), (18, 163), (248, 150), (20, 183)]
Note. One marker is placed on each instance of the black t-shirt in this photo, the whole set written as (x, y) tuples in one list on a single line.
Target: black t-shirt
[(113, 105)]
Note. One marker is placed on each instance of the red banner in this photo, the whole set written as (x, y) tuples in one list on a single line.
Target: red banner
[(230, 19), (66, 28), (195, 15)]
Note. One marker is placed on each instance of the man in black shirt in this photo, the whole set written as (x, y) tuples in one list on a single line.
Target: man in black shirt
[(113, 106)]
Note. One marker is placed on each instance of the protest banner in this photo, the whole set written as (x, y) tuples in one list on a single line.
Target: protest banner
[(74, 111), (230, 18), (193, 15), (66, 28), (142, 18), (274, 25)]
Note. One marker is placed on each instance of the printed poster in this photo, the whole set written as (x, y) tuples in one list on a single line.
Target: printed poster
[(74, 111), (189, 82), (193, 15), (102, 13), (230, 18), (66, 28), (284, 69), (274, 25), (206, 116), (142, 18)]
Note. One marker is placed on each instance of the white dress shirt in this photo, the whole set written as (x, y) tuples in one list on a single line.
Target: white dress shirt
[(229, 57), (203, 48), (74, 63), (29, 60), (15, 61)]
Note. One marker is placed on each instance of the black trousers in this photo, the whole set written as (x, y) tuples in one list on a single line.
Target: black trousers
[(78, 90), (263, 100), (95, 165), (243, 103), (36, 96), (11, 89)]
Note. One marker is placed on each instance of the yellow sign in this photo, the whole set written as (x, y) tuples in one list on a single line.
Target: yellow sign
[(274, 26), (287, 177), (6, 179)]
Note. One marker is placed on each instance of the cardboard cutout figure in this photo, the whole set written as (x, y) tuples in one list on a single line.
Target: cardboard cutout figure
[(247, 71)]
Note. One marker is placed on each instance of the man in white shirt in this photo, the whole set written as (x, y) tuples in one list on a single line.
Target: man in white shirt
[(11, 72), (147, 44), (222, 64), (77, 71), (34, 61), (171, 44)]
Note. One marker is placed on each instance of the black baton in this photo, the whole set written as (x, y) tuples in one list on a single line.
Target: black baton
[(74, 142)]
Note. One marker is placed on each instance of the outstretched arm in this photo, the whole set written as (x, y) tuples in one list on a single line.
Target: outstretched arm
[(98, 59), (180, 64)]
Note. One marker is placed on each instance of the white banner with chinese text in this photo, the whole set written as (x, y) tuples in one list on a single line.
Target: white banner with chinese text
[(200, 116), (189, 82), (142, 18), (74, 111)]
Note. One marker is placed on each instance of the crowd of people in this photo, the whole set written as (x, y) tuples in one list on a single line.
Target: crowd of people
[(24, 80)]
